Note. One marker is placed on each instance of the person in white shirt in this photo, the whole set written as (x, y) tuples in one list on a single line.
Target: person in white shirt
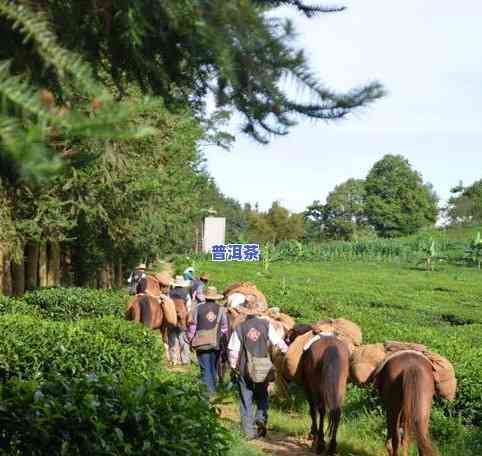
[(249, 358)]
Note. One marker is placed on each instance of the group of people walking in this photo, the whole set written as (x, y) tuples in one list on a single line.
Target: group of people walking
[(208, 331)]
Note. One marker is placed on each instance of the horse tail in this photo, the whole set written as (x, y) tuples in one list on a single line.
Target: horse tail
[(332, 393), (412, 411), (145, 308)]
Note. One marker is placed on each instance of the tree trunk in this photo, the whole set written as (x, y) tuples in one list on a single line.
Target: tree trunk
[(7, 277), (119, 276), (102, 278), (18, 276), (42, 265), (66, 277), (2, 268), (53, 269), (110, 275), (32, 266)]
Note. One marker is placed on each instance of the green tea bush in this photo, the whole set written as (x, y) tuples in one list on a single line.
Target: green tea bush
[(17, 306), (105, 415), (32, 348), (76, 303)]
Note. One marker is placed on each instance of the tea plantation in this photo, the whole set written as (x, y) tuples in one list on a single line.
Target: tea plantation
[(76, 379), (390, 301)]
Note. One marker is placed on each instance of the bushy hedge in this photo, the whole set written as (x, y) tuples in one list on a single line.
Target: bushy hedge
[(34, 348), (108, 416), (97, 386), (67, 303)]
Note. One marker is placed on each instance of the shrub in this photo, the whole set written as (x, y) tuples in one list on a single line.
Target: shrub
[(105, 415), (17, 306), (34, 348), (76, 303)]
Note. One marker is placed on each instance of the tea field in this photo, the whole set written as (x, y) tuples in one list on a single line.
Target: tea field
[(390, 301)]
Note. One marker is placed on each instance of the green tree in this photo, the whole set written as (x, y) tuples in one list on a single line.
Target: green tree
[(465, 206), (277, 224), (397, 200), (183, 50), (344, 212)]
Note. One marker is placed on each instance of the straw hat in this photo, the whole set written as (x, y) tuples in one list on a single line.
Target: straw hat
[(212, 294), (141, 266), (164, 279), (180, 282), (204, 276)]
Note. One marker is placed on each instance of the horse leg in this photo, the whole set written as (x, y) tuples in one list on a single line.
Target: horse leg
[(320, 444), (393, 428), (424, 444), (314, 424), (334, 420)]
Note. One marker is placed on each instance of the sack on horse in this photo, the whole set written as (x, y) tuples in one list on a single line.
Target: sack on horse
[(345, 330), (285, 320), (364, 361), (368, 360), (169, 309), (245, 288)]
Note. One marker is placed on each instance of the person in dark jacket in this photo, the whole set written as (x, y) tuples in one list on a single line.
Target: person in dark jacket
[(208, 324), (251, 341)]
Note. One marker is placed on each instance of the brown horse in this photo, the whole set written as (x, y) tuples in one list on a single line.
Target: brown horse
[(147, 310), (149, 285), (407, 387), (324, 369)]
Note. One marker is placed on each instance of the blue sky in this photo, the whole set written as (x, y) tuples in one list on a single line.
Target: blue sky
[(428, 55)]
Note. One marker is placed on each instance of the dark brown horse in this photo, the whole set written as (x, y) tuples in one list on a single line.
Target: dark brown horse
[(407, 387), (324, 369)]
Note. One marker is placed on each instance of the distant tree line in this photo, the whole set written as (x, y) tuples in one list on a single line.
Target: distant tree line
[(392, 201)]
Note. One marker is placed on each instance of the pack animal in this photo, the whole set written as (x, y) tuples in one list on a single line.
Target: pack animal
[(324, 374), (407, 387)]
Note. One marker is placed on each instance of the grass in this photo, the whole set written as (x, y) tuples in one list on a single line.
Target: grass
[(442, 309)]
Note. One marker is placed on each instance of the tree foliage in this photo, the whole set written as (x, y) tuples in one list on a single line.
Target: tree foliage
[(277, 224), (465, 206), (184, 50), (343, 217), (397, 200)]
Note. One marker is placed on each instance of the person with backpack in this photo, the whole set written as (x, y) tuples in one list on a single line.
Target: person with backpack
[(249, 348), (135, 277), (208, 325)]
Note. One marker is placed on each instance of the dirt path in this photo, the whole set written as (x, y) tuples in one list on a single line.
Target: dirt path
[(282, 445), (275, 443)]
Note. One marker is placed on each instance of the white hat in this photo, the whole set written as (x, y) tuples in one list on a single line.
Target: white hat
[(180, 282)]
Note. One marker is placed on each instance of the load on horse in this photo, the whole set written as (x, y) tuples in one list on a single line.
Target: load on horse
[(151, 306)]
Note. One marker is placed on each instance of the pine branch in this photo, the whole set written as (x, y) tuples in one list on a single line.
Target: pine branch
[(35, 28), (301, 6)]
